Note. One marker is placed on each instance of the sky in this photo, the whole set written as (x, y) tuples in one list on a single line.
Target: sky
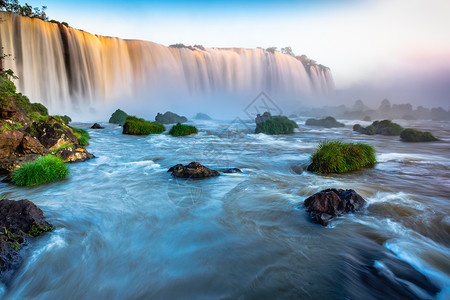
[(383, 47)]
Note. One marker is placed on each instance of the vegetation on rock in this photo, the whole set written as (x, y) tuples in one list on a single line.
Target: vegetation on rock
[(23, 10), (181, 130), (118, 117), (82, 136), (138, 126), (276, 125), (339, 157), (384, 127), (170, 118), (328, 122), (414, 135), (44, 169)]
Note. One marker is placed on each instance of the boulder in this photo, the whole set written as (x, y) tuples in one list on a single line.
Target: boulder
[(19, 222), (170, 118), (9, 141), (31, 145), (202, 116), (328, 122), (7, 165), (72, 154), (265, 116), (52, 135), (192, 170), (329, 203), (97, 126)]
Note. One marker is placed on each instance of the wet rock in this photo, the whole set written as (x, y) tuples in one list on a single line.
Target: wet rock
[(329, 203), (97, 126), (31, 145), (19, 222), (170, 118), (262, 118), (192, 170), (9, 141), (72, 154), (230, 170), (328, 122), (53, 135), (10, 164)]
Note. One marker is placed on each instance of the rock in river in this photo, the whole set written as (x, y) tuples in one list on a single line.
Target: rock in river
[(192, 170)]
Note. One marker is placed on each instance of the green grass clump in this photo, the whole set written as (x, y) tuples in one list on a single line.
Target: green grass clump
[(44, 169), (181, 130), (276, 125), (7, 89), (82, 136), (118, 117), (138, 126), (413, 135), (39, 108), (339, 157), (63, 119)]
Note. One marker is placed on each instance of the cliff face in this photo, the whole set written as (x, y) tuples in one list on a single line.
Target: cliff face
[(61, 66)]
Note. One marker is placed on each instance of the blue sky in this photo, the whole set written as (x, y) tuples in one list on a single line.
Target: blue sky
[(362, 41)]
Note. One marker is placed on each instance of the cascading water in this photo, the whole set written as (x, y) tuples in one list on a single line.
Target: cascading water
[(65, 68)]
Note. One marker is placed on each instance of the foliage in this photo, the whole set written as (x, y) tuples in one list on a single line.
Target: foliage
[(23, 10), (271, 49), (44, 169), (82, 136), (328, 122), (138, 126), (413, 135), (39, 108), (276, 125), (339, 157), (63, 119), (37, 230), (118, 117), (181, 130)]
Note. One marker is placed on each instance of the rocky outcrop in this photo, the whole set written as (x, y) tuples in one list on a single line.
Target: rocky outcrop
[(20, 221), (192, 170), (328, 122), (262, 118), (329, 203), (384, 127), (97, 126), (202, 116), (72, 154), (52, 134), (9, 141), (170, 118)]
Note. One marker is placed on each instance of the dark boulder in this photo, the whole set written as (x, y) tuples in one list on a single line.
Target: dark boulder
[(328, 122), (31, 145), (192, 170), (329, 203), (19, 222), (170, 118), (72, 154), (9, 141), (265, 116), (53, 134), (97, 126), (230, 170)]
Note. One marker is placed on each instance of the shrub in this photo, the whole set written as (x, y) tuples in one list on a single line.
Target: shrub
[(413, 135), (63, 119), (39, 108), (276, 125), (118, 117), (328, 122), (181, 130), (137, 126), (44, 169), (339, 157), (82, 136)]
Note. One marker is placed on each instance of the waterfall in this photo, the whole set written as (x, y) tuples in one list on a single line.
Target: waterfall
[(63, 67)]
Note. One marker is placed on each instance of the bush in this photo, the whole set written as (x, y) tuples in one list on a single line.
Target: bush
[(39, 108), (118, 117), (181, 130), (276, 125), (44, 169), (63, 119), (339, 157), (413, 135), (137, 126), (328, 122), (82, 136)]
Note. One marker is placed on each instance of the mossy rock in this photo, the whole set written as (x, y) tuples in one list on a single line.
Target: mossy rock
[(182, 130), (170, 118), (138, 126), (414, 135), (118, 117), (276, 125), (339, 157), (328, 122), (384, 127)]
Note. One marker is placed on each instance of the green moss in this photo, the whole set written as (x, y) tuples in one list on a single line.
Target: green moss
[(37, 230), (339, 157), (328, 122), (384, 127), (118, 117), (82, 136), (65, 145), (42, 118), (44, 169), (181, 130), (39, 108), (137, 126), (413, 135), (276, 125), (66, 119)]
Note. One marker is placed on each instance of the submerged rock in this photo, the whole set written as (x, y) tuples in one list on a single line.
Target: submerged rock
[(329, 203), (230, 170), (19, 222), (97, 126), (192, 170)]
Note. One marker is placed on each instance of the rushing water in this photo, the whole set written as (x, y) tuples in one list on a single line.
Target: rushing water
[(126, 230)]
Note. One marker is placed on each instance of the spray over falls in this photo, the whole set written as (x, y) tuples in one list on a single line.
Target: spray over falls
[(65, 68)]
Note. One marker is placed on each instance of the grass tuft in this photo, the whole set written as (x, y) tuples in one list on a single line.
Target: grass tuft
[(44, 169), (276, 125), (339, 157), (138, 126), (181, 130), (82, 136)]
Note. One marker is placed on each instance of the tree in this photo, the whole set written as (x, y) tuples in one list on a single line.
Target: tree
[(288, 51), (26, 10), (271, 49)]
